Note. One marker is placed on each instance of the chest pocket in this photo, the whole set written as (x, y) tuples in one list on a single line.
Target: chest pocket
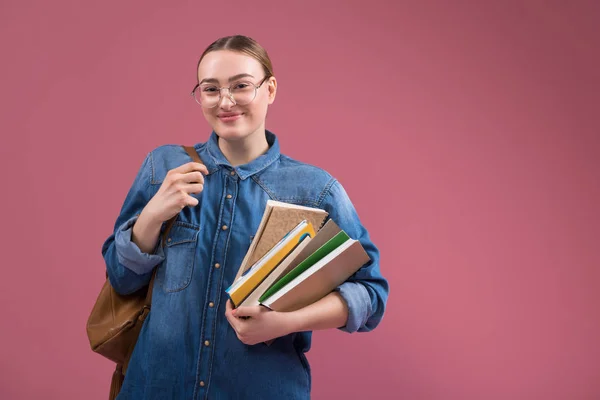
[(176, 271)]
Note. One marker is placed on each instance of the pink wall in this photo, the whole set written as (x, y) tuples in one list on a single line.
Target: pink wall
[(467, 136)]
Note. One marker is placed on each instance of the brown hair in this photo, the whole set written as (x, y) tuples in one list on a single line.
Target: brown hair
[(241, 44)]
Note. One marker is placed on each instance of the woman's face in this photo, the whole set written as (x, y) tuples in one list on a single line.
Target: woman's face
[(219, 67)]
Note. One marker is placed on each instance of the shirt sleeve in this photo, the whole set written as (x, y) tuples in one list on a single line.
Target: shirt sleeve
[(366, 291), (129, 254), (128, 268)]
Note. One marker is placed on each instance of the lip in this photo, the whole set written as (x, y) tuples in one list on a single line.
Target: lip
[(229, 117)]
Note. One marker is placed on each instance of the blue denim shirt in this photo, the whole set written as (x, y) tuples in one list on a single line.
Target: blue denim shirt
[(186, 348)]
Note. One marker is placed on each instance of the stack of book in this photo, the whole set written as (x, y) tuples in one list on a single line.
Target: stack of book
[(295, 259)]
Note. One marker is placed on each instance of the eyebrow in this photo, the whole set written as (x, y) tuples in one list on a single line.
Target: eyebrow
[(231, 79)]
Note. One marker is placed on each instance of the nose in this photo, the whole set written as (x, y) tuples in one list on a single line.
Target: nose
[(227, 101)]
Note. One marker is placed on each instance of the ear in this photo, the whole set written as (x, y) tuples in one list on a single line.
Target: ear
[(272, 87)]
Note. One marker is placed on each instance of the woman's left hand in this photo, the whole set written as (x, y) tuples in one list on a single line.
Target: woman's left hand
[(261, 326)]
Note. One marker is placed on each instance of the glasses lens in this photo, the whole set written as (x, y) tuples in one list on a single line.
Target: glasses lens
[(207, 95), (243, 92)]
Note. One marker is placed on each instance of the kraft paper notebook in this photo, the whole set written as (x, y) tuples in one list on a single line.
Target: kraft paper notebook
[(277, 220)]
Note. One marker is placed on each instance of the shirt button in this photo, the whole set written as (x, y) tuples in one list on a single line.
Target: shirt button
[(206, 343), (229, 196), (232, 173), (211, 304), (224, 227), (169, 239), (217, 265), (201, 383)]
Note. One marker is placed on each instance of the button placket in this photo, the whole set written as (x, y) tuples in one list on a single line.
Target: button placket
[(213, 289)]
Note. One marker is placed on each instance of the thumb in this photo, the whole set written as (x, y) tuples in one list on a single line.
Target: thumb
[(246, 311)]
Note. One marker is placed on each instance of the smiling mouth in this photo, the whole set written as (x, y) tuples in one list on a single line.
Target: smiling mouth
[(230, 118)]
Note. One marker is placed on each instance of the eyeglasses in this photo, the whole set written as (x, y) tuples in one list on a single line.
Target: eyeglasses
[(240, 92)]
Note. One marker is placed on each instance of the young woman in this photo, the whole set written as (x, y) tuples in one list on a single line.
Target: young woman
[(194, 345)]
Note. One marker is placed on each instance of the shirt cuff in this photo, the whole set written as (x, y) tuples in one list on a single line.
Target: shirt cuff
[(130, 255), (357, 298)]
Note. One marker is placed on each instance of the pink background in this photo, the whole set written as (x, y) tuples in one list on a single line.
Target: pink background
[(466, 133)]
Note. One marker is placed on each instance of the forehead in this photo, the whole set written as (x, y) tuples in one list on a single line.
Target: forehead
[(222, 64)]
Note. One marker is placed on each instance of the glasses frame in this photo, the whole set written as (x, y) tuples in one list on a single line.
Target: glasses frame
[(256, 87)]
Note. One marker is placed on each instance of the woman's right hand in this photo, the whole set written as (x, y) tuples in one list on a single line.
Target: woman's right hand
[(174, 193)]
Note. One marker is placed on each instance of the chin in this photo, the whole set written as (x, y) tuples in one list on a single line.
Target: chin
[(232, 132)]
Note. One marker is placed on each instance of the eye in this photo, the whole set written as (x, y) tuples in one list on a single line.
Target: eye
[(209, 89), (241, 85)]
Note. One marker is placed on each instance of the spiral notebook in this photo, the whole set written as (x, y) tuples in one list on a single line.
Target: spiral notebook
[(277, 220)]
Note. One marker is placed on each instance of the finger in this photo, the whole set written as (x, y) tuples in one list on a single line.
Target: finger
[(193, 187), (191, 201), (229, 310), (247, 311), (193, 177), (233, 321), (189, 167)]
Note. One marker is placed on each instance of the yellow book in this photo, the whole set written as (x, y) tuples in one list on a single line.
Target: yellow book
[(253, 277)]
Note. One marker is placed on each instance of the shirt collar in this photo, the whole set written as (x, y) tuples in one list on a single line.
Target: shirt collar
[(245, 170)]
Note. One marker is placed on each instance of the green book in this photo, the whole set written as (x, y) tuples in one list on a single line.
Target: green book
[(327, 248)]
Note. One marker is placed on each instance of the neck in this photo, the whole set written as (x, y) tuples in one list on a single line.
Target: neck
[(245, 150)]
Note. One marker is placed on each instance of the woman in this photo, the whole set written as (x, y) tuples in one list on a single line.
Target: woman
[(193, 344)]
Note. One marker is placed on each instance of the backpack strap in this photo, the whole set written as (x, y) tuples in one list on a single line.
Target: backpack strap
[(191, 150)]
